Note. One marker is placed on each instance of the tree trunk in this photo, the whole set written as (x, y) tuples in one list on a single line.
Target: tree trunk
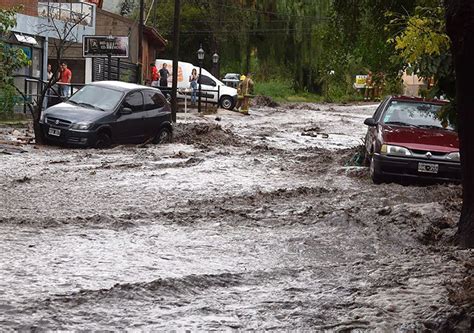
[(38, 130), (460, 26)]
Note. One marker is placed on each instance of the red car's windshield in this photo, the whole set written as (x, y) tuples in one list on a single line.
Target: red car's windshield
[(417, 114)]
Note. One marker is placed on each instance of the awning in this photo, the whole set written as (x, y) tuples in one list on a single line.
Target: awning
[(25, 39)]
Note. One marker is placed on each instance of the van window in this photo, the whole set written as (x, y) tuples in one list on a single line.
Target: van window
[(204, 79)]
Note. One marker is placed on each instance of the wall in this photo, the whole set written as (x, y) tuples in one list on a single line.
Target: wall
[(30, 6), (109, 23)]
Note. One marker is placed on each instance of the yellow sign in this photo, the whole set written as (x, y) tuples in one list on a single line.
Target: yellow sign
[(360, 81)]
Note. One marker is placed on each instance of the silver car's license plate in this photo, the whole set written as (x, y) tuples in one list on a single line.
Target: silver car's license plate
[(428, 168), (54, 131)]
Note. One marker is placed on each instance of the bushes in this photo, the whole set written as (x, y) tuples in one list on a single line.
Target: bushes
[(275, 89), (8, 100)]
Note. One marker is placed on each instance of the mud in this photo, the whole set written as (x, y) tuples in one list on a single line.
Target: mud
[(245, 223), (261, 101)]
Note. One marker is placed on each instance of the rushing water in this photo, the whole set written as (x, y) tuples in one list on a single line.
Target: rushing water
[(257, 225)]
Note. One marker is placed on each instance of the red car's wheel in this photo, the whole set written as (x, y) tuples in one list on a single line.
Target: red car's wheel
[(377, 178)]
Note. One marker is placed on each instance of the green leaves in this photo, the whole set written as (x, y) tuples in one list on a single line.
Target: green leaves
[(11, 59), (422, 43)]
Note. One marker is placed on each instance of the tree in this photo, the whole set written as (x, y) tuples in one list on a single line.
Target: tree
[(64, 30), (423, 46), (11, 59), (460, 27), (126, 7)]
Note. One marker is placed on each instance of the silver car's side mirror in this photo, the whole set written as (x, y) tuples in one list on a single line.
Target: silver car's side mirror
[(125, 110)]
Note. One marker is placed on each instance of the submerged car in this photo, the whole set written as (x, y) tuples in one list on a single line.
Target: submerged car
[(106, 112), (407, 140)]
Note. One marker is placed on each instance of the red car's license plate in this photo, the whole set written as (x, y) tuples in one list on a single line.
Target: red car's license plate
[(428, 168)]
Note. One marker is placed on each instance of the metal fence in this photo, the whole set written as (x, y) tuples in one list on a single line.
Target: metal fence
[(120, 70), (208, 97), (31, 91)]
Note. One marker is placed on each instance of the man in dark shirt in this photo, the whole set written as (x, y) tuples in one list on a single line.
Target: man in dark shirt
[(164, 73)]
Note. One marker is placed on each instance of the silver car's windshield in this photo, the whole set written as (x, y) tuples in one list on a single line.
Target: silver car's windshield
[(414, 114), (96, 97)]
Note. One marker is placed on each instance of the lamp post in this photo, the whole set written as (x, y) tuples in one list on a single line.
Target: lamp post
[(200, 55), (109, 44), (215, 61)]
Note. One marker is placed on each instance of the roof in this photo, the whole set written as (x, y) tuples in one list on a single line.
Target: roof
[(119, 85), (154, 36), (148, 31), (419, 99)]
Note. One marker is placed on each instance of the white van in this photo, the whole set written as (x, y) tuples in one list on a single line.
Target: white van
[(213, 90)]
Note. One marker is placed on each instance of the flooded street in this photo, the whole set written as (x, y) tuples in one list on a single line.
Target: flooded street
[(245, 222)]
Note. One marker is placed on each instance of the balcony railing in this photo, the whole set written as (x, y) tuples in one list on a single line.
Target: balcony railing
[(68, 11)]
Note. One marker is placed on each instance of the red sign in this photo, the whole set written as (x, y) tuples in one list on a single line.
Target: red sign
[(98, 3)]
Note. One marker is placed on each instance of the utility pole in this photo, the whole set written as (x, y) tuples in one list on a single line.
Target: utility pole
[(140, 44), (174, 89)]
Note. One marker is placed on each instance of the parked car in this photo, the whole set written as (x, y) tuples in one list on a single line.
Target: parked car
[(213, 90), (106, 112), (231, 80), (407, 140)]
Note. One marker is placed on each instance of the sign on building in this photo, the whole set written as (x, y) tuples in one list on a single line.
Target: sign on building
[(96, 46)]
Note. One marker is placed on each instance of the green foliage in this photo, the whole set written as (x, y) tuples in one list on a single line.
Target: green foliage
[(126, 7), (423, 48), (275, 89), (422, 43), (293, 41), (7, 101), (11, 59)]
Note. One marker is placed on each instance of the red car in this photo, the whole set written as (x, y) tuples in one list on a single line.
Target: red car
[(405, 139)]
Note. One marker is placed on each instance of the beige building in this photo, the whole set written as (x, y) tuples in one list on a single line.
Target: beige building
[(412, 85), (92, 69)]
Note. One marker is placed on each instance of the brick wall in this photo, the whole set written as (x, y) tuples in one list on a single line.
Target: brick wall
[(117, 25), (30, 7)]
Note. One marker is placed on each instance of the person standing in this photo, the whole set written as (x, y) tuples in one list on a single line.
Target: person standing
[(154, 75), (164, 73), (246, 91), (369, 87), (379, 85), (48, 92), (240, 95), (50, 72), (65, 76), (193, 82)]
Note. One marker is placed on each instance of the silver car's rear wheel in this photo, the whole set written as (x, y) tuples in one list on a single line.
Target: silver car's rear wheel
[(165, 135)]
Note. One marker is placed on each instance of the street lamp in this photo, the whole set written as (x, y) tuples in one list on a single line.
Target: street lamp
[(200, 54), (215, 60), (109, 45)]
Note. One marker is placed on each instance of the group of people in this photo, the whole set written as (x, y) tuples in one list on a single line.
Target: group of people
[(64, 78), (374, 86), (159, 78)]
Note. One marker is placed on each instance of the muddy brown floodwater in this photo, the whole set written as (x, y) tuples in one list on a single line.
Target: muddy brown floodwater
[(255, 222)]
